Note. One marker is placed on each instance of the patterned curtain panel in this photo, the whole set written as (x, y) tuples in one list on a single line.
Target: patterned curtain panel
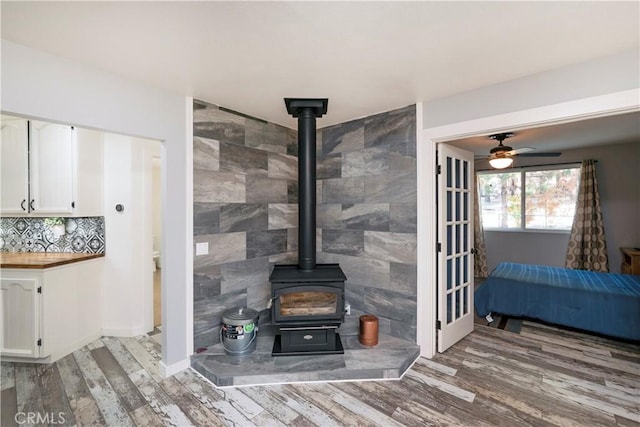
[(587, 248), (480, 268)]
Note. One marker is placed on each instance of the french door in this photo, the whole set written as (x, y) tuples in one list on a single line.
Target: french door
[(455, 245)]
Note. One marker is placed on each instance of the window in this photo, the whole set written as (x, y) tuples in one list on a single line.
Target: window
[(531, 199)]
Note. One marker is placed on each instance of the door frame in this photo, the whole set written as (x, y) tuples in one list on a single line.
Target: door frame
[(586, 108)]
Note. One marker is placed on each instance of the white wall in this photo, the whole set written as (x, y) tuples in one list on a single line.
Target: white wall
[(119, 274), (526, 248), (41, 85), (89, 195), (128, 296), (597, 77)]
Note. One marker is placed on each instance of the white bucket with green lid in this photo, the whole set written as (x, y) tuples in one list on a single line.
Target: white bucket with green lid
[(238, 331)]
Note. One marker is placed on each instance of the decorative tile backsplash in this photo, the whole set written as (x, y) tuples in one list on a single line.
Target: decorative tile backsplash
[(28, 234)]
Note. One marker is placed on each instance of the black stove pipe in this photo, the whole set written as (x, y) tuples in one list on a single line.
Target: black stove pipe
[(306, 110), (306, 190)]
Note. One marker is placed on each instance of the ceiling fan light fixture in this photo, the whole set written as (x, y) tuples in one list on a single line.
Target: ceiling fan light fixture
[(501, 162)]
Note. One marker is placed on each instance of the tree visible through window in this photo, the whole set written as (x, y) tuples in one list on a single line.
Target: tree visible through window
[(500, 200), (540, 199)]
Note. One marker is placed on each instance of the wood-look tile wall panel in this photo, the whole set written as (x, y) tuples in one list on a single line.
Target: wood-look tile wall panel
[(245, 208), (245, 185), (367, 199), (243, 217), (366, 216)]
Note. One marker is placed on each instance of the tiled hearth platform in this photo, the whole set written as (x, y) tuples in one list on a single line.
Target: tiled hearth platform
[(387, 360)]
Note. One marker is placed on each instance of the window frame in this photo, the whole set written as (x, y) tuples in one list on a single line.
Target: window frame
[(523, 199)]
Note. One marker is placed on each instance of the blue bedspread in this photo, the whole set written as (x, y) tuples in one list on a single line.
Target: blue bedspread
[(605, 303)]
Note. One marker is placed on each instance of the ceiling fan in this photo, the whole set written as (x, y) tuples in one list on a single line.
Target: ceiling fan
[(501, 156)]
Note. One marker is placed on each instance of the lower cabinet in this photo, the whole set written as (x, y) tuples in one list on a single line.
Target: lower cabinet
[(21, 313), (49, 313)]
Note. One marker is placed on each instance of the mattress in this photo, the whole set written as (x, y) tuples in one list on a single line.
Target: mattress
[(605, 303)]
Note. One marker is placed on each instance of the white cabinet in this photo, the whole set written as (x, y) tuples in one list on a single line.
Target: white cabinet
[(14, 166), (49, 313), (20, 321), (51, 162), (49, 169)]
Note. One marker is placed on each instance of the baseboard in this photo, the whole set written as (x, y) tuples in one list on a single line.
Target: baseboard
[(124, 332), (174, 368), (58, 354), (19, 359), (75, 346)]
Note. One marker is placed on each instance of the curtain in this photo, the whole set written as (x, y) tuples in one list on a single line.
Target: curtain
[(587, 248), (480, 268)]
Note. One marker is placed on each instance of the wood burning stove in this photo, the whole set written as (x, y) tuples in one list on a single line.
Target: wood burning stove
[(307, 298), (308, 308)]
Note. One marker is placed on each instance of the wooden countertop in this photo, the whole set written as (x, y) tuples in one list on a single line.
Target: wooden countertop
[(39, 260)]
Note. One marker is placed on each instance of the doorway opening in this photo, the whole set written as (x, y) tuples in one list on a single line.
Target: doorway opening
[(571, 111), (156, 232)]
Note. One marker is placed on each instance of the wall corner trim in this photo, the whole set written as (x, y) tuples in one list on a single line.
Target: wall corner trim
[(169, 370)]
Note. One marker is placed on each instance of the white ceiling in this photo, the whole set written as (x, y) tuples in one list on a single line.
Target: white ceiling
[(366, 57)]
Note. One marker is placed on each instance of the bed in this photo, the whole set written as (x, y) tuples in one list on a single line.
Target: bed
[(605, 303)]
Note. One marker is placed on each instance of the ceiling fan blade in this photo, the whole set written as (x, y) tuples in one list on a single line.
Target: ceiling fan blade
[(540, 154), (519, 150)]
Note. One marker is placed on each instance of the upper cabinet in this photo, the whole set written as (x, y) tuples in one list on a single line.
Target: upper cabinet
[(41, 170), (14, 166), (51, 163)]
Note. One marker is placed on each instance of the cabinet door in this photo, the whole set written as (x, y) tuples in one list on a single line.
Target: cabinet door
[(51, 167), (13, 166), (20, 317)]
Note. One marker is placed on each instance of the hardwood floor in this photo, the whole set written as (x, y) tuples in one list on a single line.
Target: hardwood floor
[(539, 377)]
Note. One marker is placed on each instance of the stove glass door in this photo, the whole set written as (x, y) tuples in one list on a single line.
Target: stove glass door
[(308, 303)]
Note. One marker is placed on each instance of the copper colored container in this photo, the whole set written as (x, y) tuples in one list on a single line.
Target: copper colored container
[(368, 330)]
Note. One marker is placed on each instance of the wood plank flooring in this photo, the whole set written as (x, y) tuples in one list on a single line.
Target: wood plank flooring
[(540, 377)]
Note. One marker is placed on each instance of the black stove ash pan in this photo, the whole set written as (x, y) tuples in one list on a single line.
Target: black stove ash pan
[(306, 110)]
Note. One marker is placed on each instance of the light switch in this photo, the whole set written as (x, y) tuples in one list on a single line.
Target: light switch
[(202, 248)]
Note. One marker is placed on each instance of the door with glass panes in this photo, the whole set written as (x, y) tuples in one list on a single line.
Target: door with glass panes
[(455, 194)]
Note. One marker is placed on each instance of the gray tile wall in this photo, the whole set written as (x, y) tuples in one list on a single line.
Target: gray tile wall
[(367, 214), (245, 185), (245, 207)]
